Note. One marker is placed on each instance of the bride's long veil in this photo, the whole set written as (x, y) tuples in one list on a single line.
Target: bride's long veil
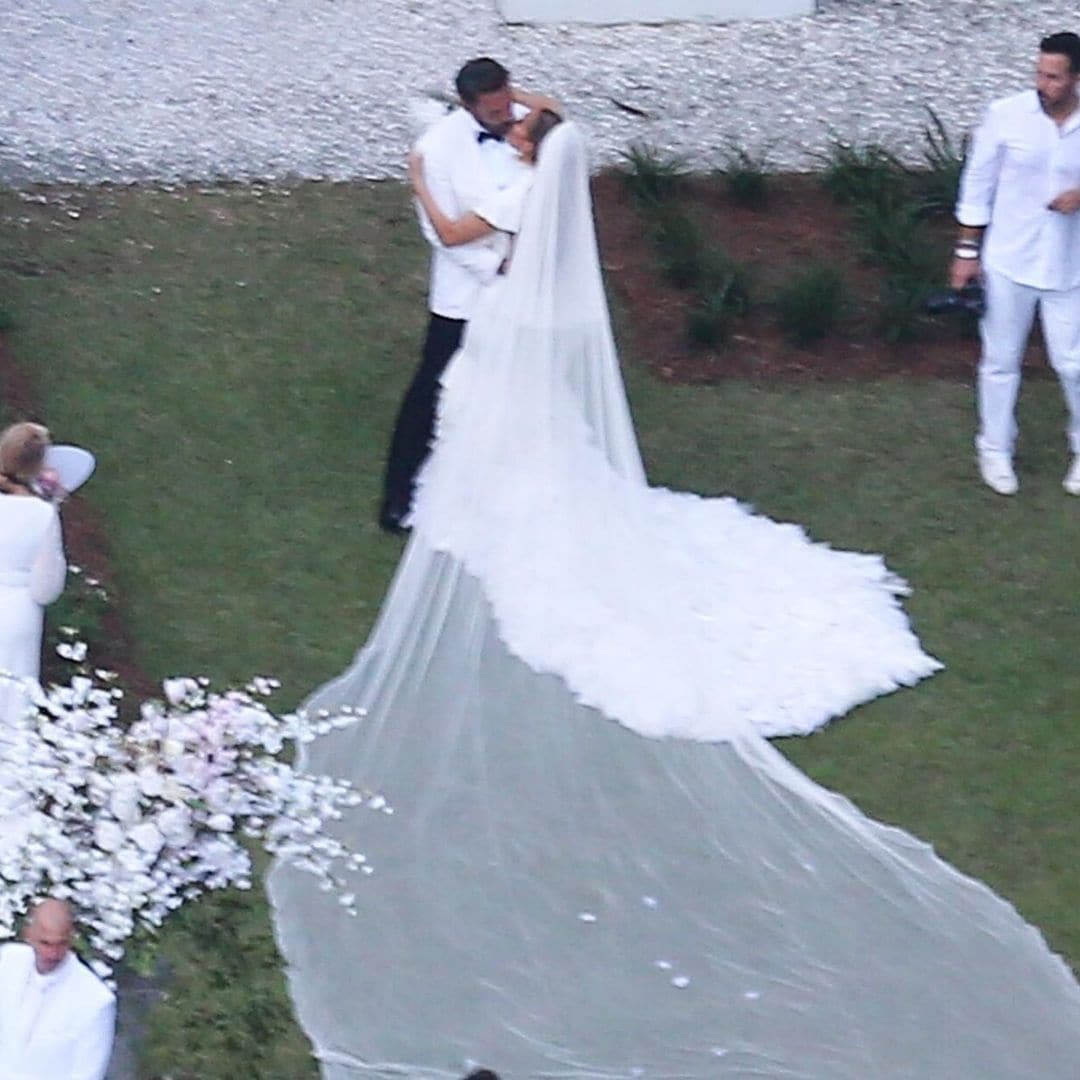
[(557, 895)]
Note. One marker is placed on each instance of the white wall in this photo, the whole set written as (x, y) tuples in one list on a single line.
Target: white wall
[(648, 11)]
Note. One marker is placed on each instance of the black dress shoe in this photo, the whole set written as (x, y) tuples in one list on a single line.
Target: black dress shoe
[(393, 521)]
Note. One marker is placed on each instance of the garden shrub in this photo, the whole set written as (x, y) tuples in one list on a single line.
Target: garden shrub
[(650, 175), (745, 177), (809, 305), (861, 173), (938, 182), (680, 246), (723, 296)]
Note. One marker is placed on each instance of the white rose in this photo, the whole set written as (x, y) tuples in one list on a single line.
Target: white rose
[(175, 825), (172, 749), (272, 742), (220, 822), (171, 789), (130, 859), (75, 651), (108, 835), (178, 690), (218, 794), (124, 805), (151, 782), (184, 726), (151, 713), (148, 837)]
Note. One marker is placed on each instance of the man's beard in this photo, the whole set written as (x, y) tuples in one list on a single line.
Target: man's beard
[(1066, 101)]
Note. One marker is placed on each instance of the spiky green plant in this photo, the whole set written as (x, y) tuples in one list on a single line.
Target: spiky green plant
[(679, 245), (861, 173), (809, 305), (944, 156), (901, 313), (893, 234), (745, 176), (651, 175), (723, 296)]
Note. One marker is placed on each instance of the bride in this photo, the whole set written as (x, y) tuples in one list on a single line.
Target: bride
[(32, 563), (598, 867), (32, 573)]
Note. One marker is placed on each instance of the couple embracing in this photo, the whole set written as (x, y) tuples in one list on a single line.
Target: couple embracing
[(601, 867), (471, 172), (514, 453)]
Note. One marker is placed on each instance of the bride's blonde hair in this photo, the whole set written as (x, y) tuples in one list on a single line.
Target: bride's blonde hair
[(22, 454)]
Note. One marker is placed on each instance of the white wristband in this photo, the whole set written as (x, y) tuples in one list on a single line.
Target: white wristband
[(966, 253)]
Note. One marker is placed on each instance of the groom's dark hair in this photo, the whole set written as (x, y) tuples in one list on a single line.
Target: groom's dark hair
[(482, 1074), (480, 76)]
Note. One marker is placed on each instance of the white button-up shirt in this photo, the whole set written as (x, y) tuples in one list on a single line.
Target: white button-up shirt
[(462, 174), (1018, 161)]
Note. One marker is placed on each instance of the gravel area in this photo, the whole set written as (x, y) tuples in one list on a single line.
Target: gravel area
[(172, 90)]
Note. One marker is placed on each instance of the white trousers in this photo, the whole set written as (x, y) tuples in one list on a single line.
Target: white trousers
[(1004, 329)]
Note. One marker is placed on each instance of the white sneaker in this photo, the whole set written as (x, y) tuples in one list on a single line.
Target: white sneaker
[(1071, 483), (997, 473)]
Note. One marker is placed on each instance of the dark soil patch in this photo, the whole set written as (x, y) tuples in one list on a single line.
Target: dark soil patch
[(799, 222)]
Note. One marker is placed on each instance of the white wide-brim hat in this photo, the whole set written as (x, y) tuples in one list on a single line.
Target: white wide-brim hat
[(73, 465)]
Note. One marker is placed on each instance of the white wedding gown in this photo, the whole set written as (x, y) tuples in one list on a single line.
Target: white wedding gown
[(597, 866), (32, 573)]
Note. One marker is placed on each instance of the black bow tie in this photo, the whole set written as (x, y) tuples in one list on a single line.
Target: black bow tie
[(483, 136)]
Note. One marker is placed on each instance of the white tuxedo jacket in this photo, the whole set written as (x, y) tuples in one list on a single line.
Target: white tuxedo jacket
[(463, 174), (71, 1037)]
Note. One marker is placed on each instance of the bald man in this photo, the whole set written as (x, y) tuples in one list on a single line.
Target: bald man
[(56, 1016)]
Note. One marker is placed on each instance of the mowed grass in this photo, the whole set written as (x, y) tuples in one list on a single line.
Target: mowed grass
[(235, 356)]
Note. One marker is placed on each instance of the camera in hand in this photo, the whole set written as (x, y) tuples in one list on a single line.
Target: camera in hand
[(970, 299)]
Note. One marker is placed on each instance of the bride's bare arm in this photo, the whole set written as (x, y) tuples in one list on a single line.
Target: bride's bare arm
[(450, 231), (535, 102)]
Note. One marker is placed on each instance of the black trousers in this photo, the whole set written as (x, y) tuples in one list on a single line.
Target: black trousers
[(415, 426)]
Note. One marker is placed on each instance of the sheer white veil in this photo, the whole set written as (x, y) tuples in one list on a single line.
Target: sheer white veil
[(538, 372), (557, 895)]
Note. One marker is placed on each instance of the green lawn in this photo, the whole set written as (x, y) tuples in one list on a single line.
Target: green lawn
[(234, 356)]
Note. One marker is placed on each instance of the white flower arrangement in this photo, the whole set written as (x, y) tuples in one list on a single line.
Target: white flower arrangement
[(130, 822)]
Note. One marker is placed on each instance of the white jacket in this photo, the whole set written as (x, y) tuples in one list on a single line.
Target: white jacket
[(463, 174), (70, 1036)]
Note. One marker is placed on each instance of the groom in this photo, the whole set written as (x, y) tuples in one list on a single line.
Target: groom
[(466, 160)]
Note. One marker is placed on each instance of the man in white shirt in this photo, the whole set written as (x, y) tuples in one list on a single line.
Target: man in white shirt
[(1020, 233), (57, 1017), (467, 160)]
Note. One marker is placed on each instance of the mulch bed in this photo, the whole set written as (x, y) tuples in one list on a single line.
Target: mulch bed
[(799, 222)]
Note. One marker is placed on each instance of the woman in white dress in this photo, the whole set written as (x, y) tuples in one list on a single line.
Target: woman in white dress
[(32, 564), (598, 867)]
